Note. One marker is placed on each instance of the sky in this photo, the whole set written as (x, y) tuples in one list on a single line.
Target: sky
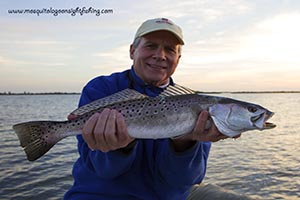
[(232, 45)]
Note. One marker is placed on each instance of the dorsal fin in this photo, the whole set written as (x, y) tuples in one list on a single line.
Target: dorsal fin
[(176, 90), (129, 94), (124, 95)]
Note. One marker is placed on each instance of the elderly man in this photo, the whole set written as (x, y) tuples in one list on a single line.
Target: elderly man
[(113, 165)]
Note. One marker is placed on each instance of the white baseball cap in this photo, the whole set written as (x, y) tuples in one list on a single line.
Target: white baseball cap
[(160, 24)]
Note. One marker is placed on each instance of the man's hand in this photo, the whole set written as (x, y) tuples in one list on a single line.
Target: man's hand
[(106, 131), (200, 133), (206, 134)]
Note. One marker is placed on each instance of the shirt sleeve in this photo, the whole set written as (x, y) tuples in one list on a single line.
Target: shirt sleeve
[(185, 168), (106, 165)]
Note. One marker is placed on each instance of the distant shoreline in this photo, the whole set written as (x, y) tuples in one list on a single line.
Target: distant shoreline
[(250, 92), (201, 92)]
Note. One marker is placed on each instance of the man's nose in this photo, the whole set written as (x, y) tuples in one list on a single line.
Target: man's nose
[(160, 54)]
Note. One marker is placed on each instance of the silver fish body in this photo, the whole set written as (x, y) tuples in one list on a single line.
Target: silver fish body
[(172, 113)]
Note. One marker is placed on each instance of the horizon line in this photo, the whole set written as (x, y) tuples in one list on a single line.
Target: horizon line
[(201, 92)]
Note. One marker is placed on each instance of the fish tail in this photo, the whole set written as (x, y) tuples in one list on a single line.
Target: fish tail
[(38, 137)]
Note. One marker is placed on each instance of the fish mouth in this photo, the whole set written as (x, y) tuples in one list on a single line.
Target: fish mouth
[(261, 120), (269, 125)]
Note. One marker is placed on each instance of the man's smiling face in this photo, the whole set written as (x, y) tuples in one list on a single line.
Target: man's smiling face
[(156, 57)]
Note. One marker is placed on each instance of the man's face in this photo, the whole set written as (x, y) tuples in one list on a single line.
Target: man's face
[(156, 57)]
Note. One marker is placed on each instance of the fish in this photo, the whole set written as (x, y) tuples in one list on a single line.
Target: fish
[(171, 114)]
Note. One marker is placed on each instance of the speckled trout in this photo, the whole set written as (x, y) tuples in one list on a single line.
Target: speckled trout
[(173, 113)]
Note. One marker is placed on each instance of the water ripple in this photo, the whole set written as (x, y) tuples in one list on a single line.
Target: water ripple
[(259, 164)]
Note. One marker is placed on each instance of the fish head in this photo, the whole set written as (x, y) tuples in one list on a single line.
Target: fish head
[(232, 119)]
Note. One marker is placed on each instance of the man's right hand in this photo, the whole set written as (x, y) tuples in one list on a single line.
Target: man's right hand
[(106, 131)]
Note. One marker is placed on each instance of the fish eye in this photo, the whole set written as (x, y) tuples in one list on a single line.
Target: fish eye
[(252, 109)]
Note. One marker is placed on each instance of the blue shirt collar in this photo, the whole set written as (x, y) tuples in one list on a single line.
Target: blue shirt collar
[(138, 84)]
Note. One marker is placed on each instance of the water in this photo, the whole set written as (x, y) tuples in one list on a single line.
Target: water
[(260, 164), (49, 177)]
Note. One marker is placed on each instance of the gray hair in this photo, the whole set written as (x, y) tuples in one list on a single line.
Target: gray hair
[(136, 42)]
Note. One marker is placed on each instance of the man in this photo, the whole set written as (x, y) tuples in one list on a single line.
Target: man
[(113, 165)]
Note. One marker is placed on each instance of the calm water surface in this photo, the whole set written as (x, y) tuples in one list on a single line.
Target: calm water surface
[(259, 164)]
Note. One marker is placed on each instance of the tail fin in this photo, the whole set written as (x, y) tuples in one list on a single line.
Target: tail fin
[(37, 137)]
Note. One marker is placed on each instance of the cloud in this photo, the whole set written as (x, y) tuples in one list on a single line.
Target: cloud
[(207, 10), (112, 60), (264, 55), (227, 42), (275, 39)]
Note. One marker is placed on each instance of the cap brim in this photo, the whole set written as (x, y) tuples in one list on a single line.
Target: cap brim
[(163, 29)]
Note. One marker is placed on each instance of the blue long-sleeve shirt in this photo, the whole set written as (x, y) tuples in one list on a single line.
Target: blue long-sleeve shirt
[(150, 170)]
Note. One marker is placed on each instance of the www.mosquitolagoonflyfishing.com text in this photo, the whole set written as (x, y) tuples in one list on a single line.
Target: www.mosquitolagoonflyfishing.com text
[(61, 11)]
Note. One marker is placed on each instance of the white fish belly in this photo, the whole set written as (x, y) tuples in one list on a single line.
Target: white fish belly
[(162, 125)]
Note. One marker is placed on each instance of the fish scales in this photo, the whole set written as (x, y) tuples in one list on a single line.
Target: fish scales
[(154, 117), (161, 117), (173, 113)]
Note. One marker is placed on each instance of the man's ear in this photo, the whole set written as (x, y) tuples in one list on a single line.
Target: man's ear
[(131, 51), (178, 59)]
